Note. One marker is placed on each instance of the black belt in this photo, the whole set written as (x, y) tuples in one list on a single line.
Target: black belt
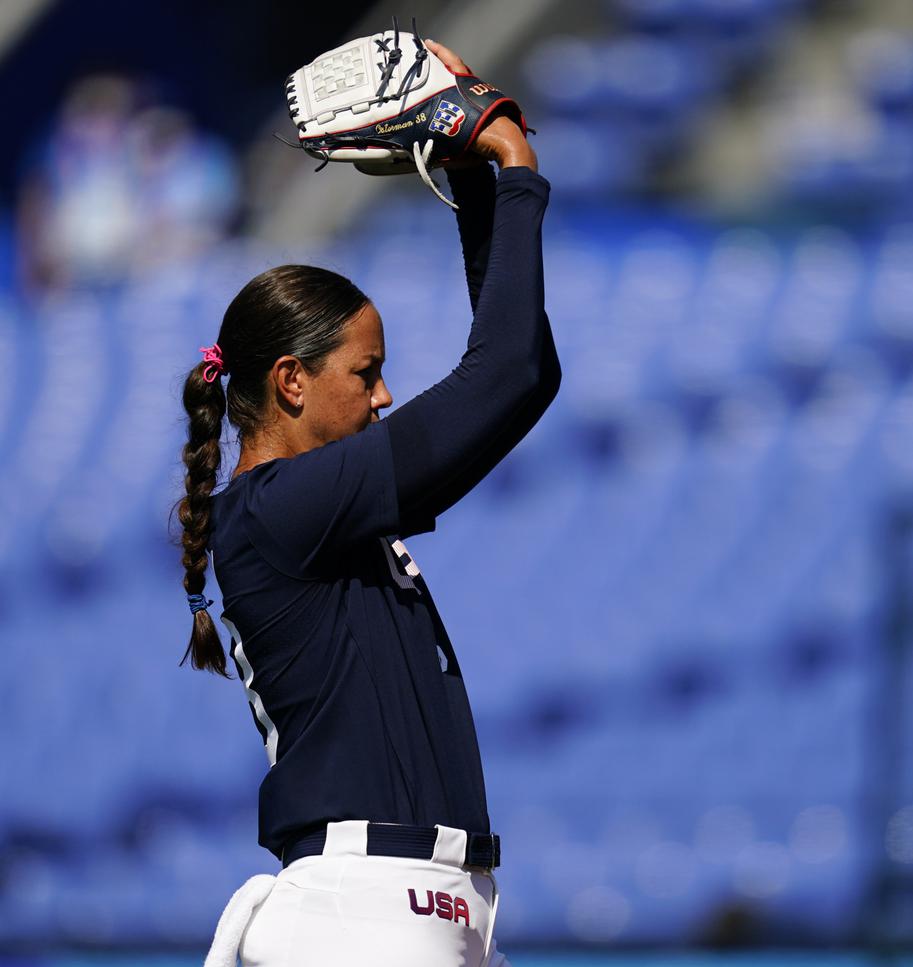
[(417, 842)]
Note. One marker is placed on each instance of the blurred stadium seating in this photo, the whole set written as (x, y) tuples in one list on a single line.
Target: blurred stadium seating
[(676, 641)]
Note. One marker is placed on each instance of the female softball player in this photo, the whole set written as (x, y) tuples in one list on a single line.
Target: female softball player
[(374, 801)]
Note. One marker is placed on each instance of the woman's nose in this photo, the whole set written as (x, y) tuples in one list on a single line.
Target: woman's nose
[(382, 397)]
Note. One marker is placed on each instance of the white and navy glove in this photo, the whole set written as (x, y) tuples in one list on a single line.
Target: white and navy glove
[(390, 109)]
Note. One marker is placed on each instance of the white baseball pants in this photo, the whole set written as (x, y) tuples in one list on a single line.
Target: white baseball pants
[(348, 909)]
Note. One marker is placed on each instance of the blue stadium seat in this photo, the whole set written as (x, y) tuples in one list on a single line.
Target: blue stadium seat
[(882, 65)]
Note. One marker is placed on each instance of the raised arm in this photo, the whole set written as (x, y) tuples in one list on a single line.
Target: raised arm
[(447, 438), (474, 190)]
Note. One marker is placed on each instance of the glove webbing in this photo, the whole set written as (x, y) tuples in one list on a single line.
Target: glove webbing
[(392, 58)]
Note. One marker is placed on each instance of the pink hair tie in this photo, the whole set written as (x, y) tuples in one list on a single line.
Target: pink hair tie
[(212, 355)]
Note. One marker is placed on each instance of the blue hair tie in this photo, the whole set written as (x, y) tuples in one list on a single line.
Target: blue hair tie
[(198, 602)]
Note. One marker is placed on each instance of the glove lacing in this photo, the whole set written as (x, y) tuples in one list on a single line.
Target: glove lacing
[(420, 156), (392, 59)]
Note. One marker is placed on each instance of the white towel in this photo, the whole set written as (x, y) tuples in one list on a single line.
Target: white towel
[(235, 918)]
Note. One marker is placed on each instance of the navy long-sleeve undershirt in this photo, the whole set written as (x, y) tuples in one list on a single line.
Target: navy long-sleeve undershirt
[(446, 439)]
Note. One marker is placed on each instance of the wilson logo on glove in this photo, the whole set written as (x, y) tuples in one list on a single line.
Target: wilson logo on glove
[(448, 119), (367, 102)]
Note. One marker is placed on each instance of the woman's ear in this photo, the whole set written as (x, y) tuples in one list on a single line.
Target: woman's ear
[(289, 377)]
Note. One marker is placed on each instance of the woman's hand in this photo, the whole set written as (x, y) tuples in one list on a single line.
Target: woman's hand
[(501, 139)]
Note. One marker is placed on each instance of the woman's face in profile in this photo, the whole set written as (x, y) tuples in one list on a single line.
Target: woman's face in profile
[(348, 393)]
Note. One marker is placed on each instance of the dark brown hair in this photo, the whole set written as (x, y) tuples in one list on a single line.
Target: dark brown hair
[(292, 310)]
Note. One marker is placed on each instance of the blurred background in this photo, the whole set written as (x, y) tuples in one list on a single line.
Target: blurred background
[(688, 640)]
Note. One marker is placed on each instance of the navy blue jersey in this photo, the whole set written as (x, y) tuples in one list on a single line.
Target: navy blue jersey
[(351, 677)]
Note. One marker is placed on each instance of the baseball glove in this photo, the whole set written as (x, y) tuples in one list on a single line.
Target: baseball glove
[(390, 109)]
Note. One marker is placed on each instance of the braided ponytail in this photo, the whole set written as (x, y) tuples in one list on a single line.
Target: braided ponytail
[(291, 310), (204, 401)]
